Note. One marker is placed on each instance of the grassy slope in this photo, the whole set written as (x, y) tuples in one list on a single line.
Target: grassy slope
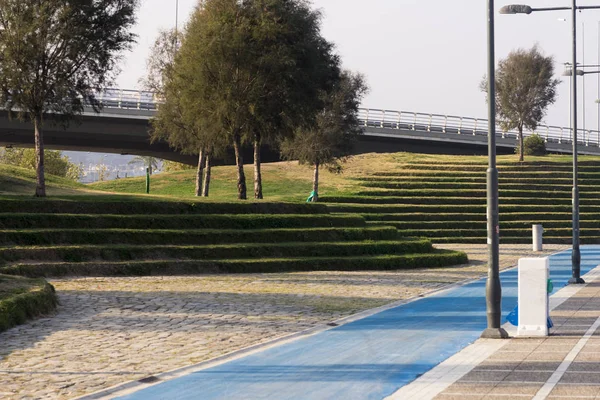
[(288, 181), (20, 181)]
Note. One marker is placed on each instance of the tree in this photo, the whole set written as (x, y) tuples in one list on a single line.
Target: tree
[(330, 140), (174, 122), (152, 163), (251, 70), (525, 87), (55, 55), (292, 63), (56, 163)]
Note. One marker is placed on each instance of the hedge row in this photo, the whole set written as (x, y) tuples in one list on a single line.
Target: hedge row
[(207, 252), (39, 298), (25, 205), (435, 259), (183, 237), (240, 221)]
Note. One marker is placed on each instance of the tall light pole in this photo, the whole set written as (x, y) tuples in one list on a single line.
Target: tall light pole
[(524, 9), (493, 286)]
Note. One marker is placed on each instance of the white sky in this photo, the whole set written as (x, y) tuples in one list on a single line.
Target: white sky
[(419, 55)]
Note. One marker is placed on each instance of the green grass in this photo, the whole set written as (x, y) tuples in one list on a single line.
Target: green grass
[(176, 221), (21, 181), (37, 237), (83, 253), (434, 259), (22, 299)]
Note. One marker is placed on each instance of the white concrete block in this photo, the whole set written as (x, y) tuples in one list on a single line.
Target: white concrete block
[(533, 297), (538, 234)]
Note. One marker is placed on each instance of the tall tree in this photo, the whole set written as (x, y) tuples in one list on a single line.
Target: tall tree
[(292, 63), (525, 87), (55, 55), (252, 70), (330, 140), (172, 123)]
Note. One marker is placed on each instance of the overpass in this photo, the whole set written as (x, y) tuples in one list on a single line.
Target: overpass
[(122, 127)]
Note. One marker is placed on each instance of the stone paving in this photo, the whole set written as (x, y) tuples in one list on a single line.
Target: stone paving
[(566, 365), (112, 330)]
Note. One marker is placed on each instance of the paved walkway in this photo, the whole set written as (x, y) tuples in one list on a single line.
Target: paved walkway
[(108, 331), (372, 357)]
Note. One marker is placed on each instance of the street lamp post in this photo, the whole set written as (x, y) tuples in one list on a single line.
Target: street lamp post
[(493, 286), (524, 9)]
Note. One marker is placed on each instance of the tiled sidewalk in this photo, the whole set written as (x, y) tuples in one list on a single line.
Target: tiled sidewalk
[(566, 365)]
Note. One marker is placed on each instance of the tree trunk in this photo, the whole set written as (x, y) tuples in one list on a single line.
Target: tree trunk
[(239, 162), (40, 190), (206, 188), (316, 184), (257, 174), (199, 173), (521, 145)]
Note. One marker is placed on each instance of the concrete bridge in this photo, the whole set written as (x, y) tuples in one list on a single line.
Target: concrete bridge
[(122, 128)]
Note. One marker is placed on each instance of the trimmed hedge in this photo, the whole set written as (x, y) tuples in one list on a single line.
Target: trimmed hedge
[(161, 237), (208, 252), (240, 221), (37, 298), (435, 259), (45, 206)]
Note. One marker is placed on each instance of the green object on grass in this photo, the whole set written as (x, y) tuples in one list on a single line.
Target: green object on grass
[(311, 197)]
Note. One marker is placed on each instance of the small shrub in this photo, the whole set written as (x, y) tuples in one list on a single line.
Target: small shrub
[(534, 146)]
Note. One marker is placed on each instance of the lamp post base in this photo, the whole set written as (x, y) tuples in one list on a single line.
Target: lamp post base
[(576, 281), (494, 333)]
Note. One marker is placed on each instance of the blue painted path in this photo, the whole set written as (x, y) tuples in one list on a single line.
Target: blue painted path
[(366, 359)]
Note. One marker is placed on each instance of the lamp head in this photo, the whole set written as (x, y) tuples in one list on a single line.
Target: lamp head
[(516, 9), (569, 72)]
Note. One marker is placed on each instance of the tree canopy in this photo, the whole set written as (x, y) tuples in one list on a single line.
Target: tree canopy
[(56, 54), (247, 71), (525, 87), (331, 138)]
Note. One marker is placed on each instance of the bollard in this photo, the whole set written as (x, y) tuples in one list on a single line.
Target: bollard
[(533, 297), (538, 233)]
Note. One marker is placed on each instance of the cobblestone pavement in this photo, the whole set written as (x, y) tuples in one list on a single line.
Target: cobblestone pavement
[(112, 330)]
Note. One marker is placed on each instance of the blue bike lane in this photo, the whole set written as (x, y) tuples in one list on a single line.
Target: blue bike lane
[(370, 358)]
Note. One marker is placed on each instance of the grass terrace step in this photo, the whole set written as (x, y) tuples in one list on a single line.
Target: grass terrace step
[(446, 201), (22, 299), (502, 174), (34, 237), (369, 182), (436, 258), (505, 208), (436, 193), (179, 222), (77, 206), (482, 224), (458, 234), (454, 217), (525, 186), (130, 252)]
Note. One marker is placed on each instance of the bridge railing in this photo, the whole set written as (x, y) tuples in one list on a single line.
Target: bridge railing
[(422, 122), (385, 119)]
